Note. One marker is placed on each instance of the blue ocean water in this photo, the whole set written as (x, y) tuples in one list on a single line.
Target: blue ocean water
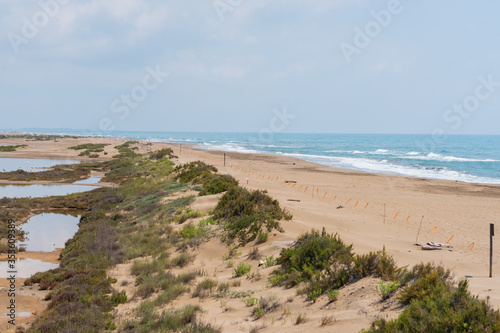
[(468, 158)]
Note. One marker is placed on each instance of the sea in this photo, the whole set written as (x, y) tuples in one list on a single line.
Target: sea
[(466, 158)]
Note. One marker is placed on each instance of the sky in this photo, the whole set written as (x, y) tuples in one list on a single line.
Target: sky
[(314, 66)]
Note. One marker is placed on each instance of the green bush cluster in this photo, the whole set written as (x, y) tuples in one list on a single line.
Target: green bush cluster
[(194, 172), (90, 149), (242, 269), (436, 305), (218, 184), (126, 150), (162, 153), (5, 149), (324, 262), (317, 257), (245, 214), (59, 173)]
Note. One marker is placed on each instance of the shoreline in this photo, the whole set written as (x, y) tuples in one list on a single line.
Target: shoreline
[(188, 145), (456, 211)]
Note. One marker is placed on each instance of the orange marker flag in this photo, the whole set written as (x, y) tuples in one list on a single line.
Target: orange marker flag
[(294, 184), (272, 179), (268, 177), (433, 229), (335, 198), (471, 244), (317, 191), (306, 188), (325, 195), (367, 204), (395, 215), (277, 178), (356, 203), (348, 201), (408, 218), (301, 186), (449, 240)]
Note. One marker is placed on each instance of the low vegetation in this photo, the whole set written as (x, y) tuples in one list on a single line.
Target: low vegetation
[(90, 149), (122, 223), (194, 172), (218, 184), (435, 304), (134, 222), (245, 215), (324, 262), (162, 153), (11, 148), (59, 173)]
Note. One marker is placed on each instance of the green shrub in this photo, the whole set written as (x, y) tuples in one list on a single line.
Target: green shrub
[(314, 295), (332, 295), (378, 264), (187, 214), (194, 172), (242, 269), (258, 312), (270, 261), (204, 288), (11, 148), (321, 258), (165, 152), (90, 149), (262, 237), (245, 214), (218, 184), (385, 289), (442, 310), (119, 298), (190, 231), (251, 301)]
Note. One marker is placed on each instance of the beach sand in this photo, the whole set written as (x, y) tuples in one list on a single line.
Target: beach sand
[(448, 209)]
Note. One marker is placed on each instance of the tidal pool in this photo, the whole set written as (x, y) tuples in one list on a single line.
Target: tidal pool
[(29, 164), (45, 233), (91, 180), (37, 190), (48, 232), (24, 268)]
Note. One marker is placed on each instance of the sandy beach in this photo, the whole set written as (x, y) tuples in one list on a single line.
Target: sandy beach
[(368, 210)]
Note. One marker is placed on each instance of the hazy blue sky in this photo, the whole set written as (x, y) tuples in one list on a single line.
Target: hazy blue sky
[(355, 66)]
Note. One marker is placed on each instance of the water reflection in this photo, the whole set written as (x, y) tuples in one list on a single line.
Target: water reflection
[(92, 180), (48, 232), (26, 268), (37, 190), (30, 164)]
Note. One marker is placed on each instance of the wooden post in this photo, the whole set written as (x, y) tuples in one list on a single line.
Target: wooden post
[(418, 233), (492, 233)]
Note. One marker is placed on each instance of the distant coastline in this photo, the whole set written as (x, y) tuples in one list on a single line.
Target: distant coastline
[(467, 158)]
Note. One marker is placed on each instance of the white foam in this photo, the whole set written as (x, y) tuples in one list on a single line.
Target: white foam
[(232, 147), (376, 166), (444, 158)]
